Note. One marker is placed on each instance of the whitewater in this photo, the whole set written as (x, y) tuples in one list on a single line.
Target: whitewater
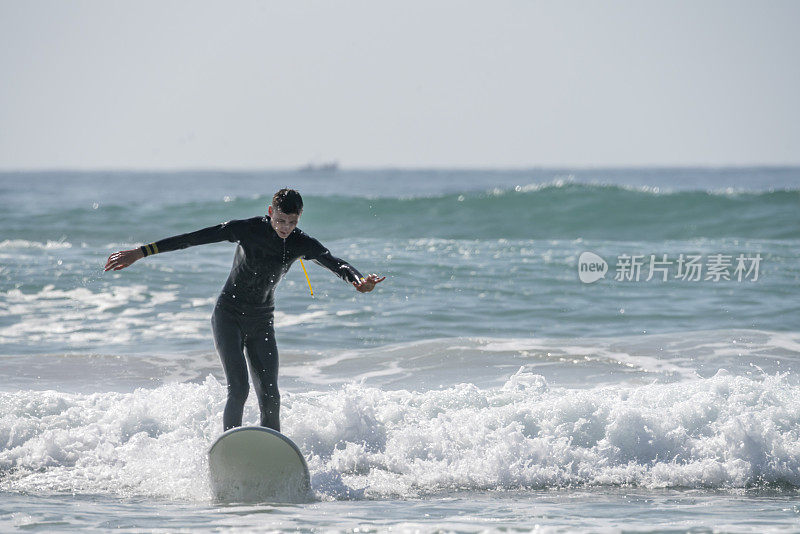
[(482, 387)]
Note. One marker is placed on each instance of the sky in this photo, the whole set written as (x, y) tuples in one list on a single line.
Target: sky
[(417, 84)]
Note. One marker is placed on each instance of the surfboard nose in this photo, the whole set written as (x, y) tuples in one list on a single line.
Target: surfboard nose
[(257, 464)]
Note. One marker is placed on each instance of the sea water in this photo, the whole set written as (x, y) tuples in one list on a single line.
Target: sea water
[(487, 385)]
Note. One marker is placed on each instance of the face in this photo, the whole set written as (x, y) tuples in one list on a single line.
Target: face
[(283, 223)]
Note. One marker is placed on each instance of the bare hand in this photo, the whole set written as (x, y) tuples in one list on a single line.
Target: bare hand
[(368, 284), (123, 258)]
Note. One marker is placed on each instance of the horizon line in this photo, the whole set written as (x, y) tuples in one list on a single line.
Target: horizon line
[(438, 168)]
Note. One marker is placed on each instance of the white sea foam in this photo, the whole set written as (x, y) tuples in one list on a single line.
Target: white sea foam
[(81, 316), (574, 363), (24, 243), (684, 356), (150, 442), (117, 314), (722, 432), (590, 350), (289, 319)]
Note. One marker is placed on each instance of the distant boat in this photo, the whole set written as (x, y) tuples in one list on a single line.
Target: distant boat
[(329, 166)]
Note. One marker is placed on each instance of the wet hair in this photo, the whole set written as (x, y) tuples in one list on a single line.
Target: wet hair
[(288, 201)]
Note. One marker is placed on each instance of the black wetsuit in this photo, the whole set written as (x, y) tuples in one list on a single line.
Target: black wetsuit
[(243, 316)]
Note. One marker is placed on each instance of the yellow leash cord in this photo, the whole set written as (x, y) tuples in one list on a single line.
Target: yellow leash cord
[(307, 278)]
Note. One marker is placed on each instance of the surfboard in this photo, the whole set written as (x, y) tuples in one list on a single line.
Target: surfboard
[(257, 464)]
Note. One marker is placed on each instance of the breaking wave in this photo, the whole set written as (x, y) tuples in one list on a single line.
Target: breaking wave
[(364, 442)]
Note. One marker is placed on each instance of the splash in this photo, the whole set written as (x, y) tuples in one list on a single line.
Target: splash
[(364, 442)]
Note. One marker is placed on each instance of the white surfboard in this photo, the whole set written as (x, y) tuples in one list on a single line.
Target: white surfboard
[(257, 464)]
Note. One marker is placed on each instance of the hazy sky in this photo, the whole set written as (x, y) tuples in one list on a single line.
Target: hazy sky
[(257, 84)]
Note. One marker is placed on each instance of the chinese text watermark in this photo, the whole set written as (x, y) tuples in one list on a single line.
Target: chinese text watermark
[(686, 267)]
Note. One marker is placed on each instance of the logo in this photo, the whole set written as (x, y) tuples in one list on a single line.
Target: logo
[(688, 267), (591, 267)]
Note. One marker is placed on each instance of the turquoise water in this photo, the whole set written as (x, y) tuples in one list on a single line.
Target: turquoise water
[(482, 386)]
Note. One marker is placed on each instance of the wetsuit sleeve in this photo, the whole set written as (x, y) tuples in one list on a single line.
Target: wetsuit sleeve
[(322, 256), (227, 231)]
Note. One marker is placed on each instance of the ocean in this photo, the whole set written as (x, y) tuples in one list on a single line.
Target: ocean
[(553, 350)]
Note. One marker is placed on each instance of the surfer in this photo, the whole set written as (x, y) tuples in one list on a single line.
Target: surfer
[(242, 321)]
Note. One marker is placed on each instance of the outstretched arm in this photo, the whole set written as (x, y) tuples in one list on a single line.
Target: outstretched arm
[(212, 234), (322, 256)]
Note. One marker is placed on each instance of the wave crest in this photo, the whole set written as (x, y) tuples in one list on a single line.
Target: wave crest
[(721, 432)]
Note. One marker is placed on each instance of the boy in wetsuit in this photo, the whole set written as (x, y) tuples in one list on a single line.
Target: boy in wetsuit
[(242, 321)]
